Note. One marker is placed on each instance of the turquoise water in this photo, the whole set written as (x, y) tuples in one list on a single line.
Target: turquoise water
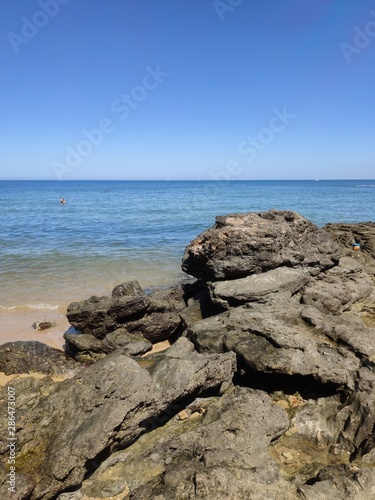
[(112, 231)]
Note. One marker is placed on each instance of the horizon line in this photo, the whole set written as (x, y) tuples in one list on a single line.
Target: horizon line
[(185, 180)]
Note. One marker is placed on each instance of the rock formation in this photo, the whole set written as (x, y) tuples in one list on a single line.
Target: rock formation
[(267, 393), (34, 357), (155, 317), (347, 234), (242, 244), (65, 428)]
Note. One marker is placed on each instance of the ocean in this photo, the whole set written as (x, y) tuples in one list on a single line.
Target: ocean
[(113, 231)]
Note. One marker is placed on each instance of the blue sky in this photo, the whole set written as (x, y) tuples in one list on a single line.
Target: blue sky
[(187, 89)]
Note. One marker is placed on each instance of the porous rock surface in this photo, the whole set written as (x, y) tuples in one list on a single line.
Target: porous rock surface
[(86, 348), (220, 451), (242, 244), (64, 428), (128, 307), (269, 394), (33, 356), (347, 234)]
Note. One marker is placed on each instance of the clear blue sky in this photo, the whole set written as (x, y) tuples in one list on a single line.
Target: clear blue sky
[(187, 89)]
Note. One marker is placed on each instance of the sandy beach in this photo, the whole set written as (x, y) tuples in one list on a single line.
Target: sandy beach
[(16, 324), (4, 379)]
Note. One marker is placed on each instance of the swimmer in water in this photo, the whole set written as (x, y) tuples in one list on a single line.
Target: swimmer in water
[(62, 201)]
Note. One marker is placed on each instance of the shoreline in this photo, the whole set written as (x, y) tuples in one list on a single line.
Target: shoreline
[(263, 339), (16, 325), (16, 322)]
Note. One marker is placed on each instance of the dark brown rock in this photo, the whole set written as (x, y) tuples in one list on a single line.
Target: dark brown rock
[(43, 325), (86, 348), (277, 341), (128, 289), (257, 286), (63, 429), (220, 452), (347, 234), (32, 357), (239, 245), (101, 315), (338, 289), (280, 308), (155, 316)]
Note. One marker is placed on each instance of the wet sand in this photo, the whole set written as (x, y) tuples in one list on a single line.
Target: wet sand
[(16, 324), (4, 379)]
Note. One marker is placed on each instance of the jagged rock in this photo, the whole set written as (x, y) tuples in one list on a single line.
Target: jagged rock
[(179, 370), (354, 483), (346, 331), (255, 287), (198, 303), (242, 244), (339, 288), (129, 343), (101, 315), (298, 322), (31, 356), (314, 438), (221, 452), (347, 234), (170, 298), (154, 319), (192, 312), (27, 392), (162, 320), (276, 341), (86, 348), (128, 289), (156, 326), (64, 429), (62, 433)]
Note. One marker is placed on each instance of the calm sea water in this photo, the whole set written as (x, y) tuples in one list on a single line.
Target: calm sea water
[(112, 231)]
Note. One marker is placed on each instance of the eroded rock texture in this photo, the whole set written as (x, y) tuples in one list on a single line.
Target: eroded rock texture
[(269, 394), (64, 429), (242, 244)]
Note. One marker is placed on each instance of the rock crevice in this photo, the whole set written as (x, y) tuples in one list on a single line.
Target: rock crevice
[(267, 391)]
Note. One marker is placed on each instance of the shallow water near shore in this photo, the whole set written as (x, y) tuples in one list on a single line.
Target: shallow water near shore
[(113, 231), (16, 324)]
